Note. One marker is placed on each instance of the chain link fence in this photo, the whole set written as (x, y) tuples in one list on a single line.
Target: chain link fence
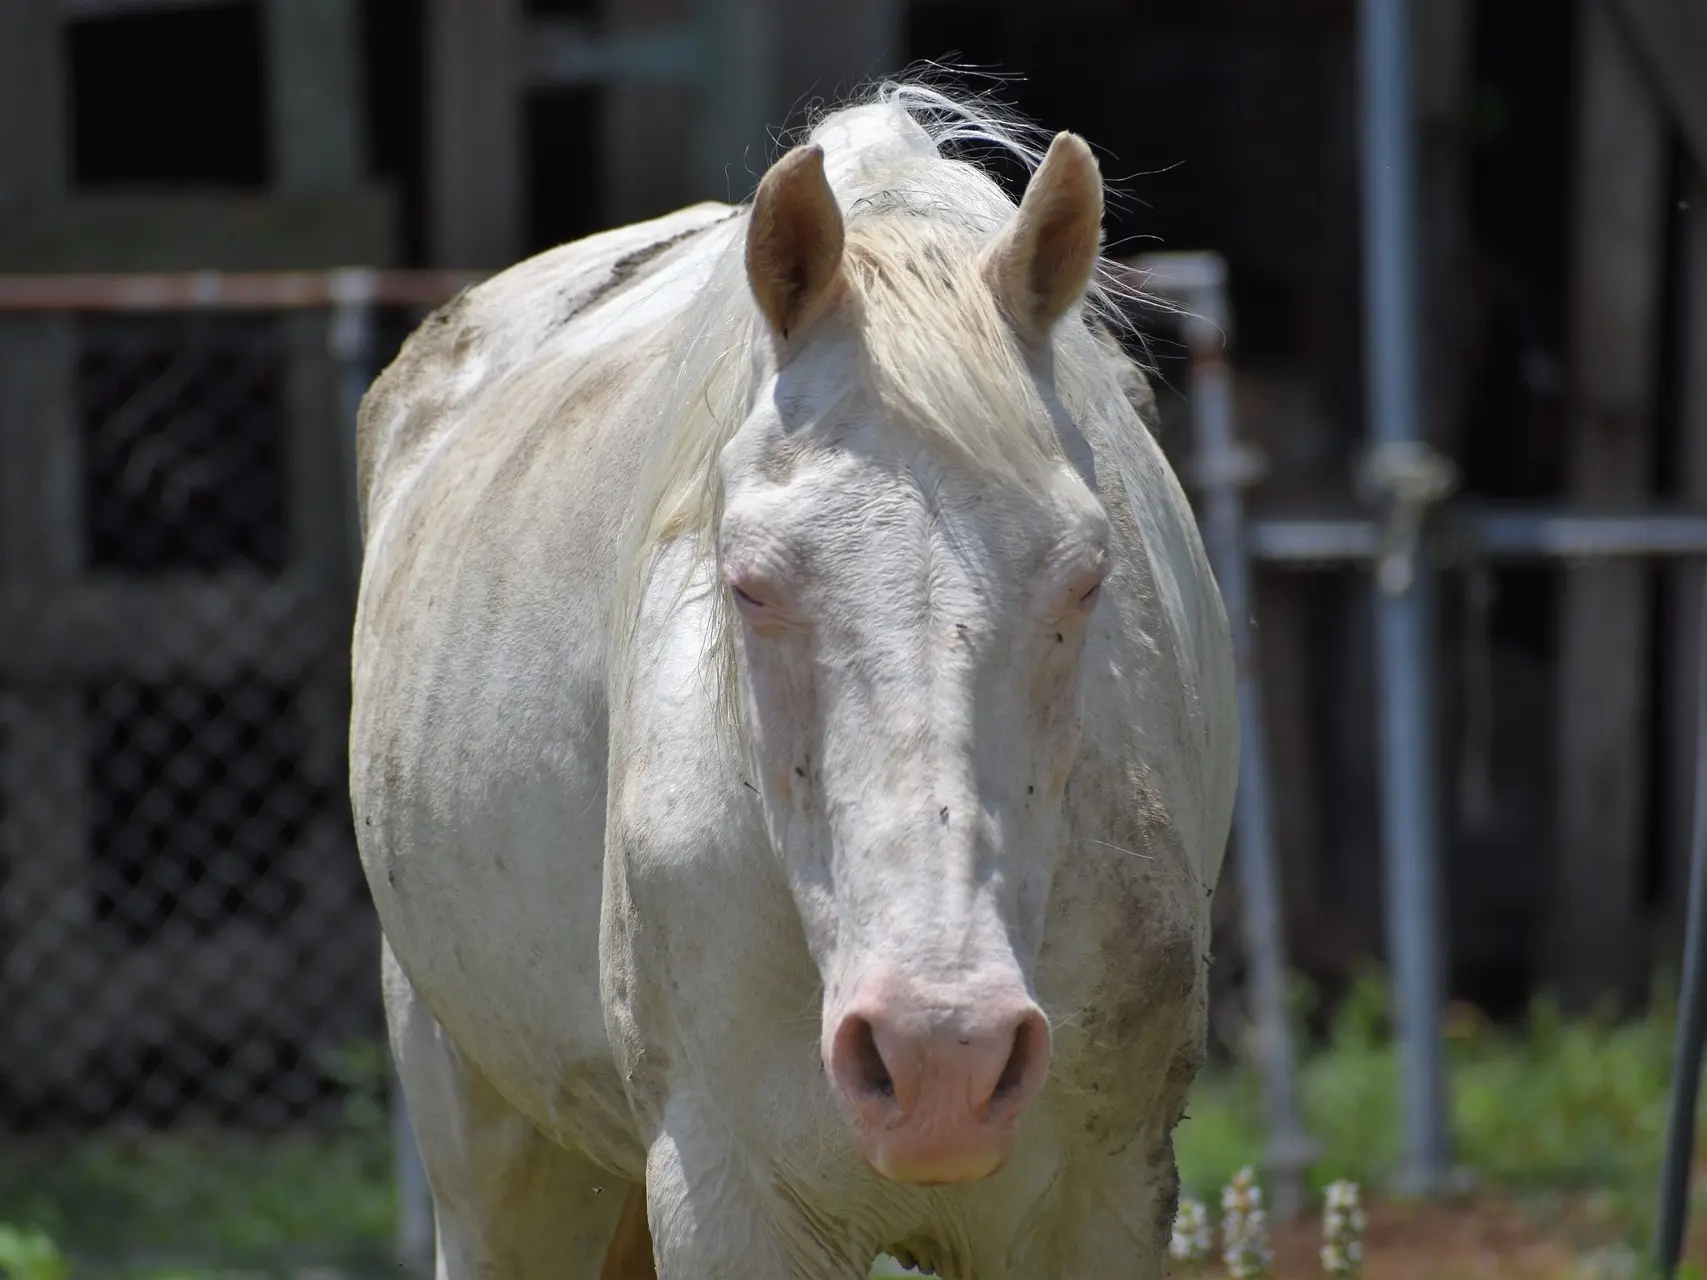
[(187, 947)]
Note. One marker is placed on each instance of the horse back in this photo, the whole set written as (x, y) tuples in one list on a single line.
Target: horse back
[(473, 343)]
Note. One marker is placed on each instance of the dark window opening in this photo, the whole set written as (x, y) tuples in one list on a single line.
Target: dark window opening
[(174, 98)]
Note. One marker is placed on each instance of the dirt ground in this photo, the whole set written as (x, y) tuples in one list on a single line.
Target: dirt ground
[(1473, 1239)]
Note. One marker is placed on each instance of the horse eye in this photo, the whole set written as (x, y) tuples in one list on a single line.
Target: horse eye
[(1090, 596), (744, 598)]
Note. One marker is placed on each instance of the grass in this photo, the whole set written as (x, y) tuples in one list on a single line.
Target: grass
[(1559, 1113), (168, 1201), (241, 1202), (1553, 1106)]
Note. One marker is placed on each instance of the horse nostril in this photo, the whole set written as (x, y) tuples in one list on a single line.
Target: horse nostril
[(1014, 1071), (871, 1072), (1030, 1042)]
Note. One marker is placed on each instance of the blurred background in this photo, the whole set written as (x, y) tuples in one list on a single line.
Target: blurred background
[(192, 1070)]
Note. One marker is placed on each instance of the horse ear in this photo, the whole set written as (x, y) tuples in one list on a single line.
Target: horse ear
[(1041, 262), (794, 238)]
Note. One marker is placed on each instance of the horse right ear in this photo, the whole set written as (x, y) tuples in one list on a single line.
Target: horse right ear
[(1041, 263), (794, 239)]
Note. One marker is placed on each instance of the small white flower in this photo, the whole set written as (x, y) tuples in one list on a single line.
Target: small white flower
[(1342, 1231), (1191, 1242), (1244, 1228)]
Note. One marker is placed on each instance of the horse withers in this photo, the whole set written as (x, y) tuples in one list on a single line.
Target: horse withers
[(793, 739)]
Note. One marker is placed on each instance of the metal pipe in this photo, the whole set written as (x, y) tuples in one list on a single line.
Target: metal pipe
[(414, 1243), (1584, 535), (1222, 478), (226, 290), (1404, 611), (1692, 999), (1487, 533), (1314, 541), (1692, 1005), (349, 338)]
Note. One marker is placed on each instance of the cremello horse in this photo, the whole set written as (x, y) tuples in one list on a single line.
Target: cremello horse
[(793, 740)]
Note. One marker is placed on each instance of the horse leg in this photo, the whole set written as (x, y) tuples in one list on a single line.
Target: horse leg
[(507, 1200), (1117, 1221), (714, 1216)]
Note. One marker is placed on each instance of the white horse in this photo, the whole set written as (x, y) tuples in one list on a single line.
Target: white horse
[(793, 741)]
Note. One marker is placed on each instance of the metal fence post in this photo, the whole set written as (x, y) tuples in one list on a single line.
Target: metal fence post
[(415, 1232), (1691, 1033), (1691, 1037), (1404, 599), (350, 336), (1221, 469), (1224, 468)]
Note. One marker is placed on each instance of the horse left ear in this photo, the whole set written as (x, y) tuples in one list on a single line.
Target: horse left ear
[(794, 238), (1040, 263)]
